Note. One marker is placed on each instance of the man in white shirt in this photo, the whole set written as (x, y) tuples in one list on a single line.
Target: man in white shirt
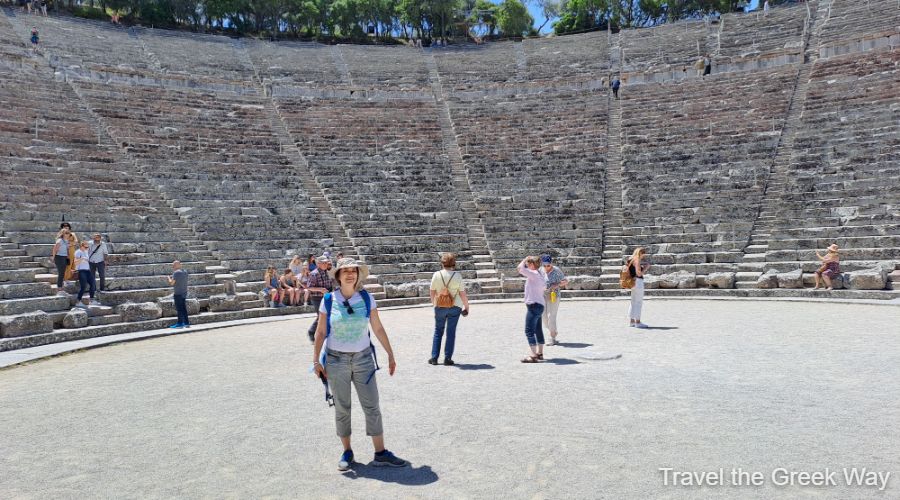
[(98, 252)]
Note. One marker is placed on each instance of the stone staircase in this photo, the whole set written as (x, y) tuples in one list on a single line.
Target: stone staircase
[(485, 269), (753, 263), (613, 231), (521, 61), (341, 64)]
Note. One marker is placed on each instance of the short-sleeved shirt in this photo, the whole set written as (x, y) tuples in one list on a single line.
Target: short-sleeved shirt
[(454, 283), (534, 285), (319, 278), (554, 277), (81, 258), (349, 332), (99, 252), (181, 282), (63, 250)]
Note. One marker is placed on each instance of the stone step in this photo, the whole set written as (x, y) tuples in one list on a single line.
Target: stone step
[(24, 290), (19, 276), (756, 249), (755, 257), (104, 320), (20, 306), (14, 252), (252, 304)]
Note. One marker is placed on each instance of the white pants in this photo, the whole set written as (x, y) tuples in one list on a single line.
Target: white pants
[(637, 299), (550, 310)]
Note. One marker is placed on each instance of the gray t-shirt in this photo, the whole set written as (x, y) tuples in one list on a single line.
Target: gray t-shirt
[(181, 280)]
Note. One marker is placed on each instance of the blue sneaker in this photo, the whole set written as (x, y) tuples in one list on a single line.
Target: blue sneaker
[(388, 459), (346, 460), (176, 326)]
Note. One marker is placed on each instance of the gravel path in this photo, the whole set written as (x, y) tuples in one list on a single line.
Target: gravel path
[(233, 413)]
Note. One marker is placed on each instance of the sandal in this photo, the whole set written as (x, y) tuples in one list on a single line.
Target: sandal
[(539, 357), (529, 359)]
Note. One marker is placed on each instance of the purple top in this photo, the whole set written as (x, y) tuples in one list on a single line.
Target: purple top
[(534, 285)]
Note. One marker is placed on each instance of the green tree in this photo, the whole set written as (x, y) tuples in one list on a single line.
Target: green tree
[(484, 15), (550, 10), (513, 18)]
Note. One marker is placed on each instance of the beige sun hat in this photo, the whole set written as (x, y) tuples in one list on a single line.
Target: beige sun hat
[(833, 248), (347, 262)]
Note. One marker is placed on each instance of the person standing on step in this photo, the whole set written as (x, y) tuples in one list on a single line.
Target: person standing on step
[(318, 284), (61, 257), (179, 280), (614, 85), (71, 271), (830, 268), (448, 296), (85, 277), (98, 252), (555, 282), (344, 355), (35, 38), (534, 302), (637, 267), (707, 65)]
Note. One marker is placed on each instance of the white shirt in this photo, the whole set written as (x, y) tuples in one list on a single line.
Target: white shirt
[(100, 254), (82, 264), (349, 332)]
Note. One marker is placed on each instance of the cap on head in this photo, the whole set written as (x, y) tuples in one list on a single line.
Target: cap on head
[(546, 259)]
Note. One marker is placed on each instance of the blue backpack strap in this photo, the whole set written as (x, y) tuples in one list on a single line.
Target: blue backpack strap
[(367, 299)]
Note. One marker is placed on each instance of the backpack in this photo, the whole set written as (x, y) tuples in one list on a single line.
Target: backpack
[(444, 298), (626, 280)]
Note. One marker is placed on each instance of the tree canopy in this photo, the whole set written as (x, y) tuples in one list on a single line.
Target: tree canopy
[(390, 19)]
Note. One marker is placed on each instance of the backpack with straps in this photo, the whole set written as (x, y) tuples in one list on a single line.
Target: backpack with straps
[(626, 280), (444, 299)]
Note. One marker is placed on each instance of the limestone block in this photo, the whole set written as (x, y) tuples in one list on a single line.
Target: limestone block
[(838, 282), (221, 302), (31, 323), (246, 276), (472, 286), (769, 279), (76, 318), (651, 282), (791, 279), (720, 280), (168, 306), (512, 284), (401, 290), (229, 286), (868, 279), (139, 311), (678, 279), (584, 282)]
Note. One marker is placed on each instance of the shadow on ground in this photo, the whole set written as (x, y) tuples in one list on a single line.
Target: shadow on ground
[(408, 476), (561, 361), (574, 345), (481, 366)]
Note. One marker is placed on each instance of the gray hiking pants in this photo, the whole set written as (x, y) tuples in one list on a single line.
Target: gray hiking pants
[(344, 368)]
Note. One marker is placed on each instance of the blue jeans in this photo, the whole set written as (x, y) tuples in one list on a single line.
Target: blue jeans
[(86, 279), (181, 307), (450, 317), (534, 332)]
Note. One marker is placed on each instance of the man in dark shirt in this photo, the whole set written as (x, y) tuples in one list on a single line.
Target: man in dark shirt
[(319, 283), (179, 280)]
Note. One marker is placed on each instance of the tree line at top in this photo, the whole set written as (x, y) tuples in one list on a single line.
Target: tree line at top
[(386, 21)]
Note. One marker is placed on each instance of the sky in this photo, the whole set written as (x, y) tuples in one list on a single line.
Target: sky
[(538, 18)]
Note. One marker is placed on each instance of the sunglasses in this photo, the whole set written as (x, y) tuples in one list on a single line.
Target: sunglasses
[(349, 308)]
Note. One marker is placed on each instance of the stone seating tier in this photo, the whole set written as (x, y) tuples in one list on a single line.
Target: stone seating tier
[(677, 44), (755, 33), (853, 20)]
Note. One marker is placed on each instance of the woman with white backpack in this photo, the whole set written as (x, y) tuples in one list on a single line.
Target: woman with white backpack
[(448, 295)]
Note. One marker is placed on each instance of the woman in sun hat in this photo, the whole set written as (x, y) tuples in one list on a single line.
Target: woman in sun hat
[(830, 266), (345, 317)]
